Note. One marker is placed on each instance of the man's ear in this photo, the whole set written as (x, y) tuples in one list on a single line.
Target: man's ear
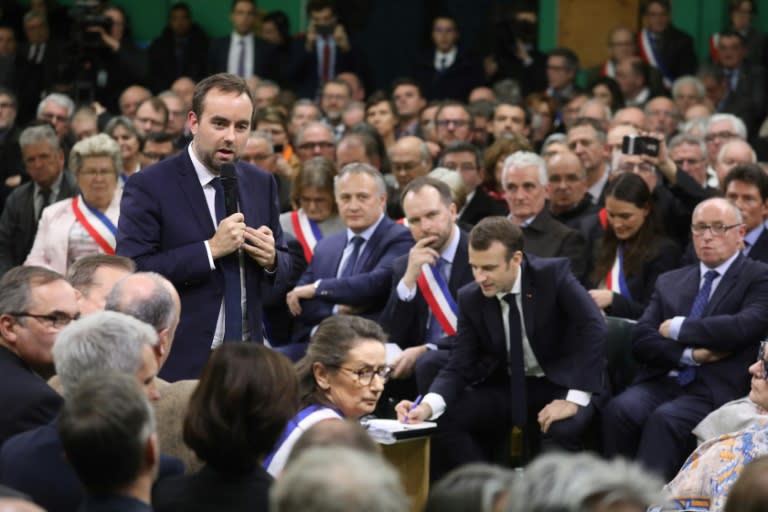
[(6, 329)]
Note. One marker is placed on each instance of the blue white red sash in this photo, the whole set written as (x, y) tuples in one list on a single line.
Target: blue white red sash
[(307, 417), (435, 291), (307, 232), (651, 58), (615, 281), (608, 69), (714, 45), (402, 222), (96, 224)]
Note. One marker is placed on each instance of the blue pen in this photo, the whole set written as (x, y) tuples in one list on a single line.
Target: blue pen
[(414, 405)]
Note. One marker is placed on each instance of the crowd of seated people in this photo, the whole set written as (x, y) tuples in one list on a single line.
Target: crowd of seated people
[(275, 251)]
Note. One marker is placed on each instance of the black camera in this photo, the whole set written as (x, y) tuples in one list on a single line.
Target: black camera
[(87, 15), (639, 145)]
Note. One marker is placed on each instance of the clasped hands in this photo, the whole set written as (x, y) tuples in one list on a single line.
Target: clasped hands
[(232, 234)]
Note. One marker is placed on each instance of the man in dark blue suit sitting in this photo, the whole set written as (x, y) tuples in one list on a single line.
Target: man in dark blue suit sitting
[(351, 271), (695, 338), (173, 221), (530, 345), (412, 321)]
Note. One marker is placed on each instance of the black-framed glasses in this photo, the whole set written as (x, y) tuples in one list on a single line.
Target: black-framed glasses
[(365, 375), (717, 229), (761, 358), (55, 320)]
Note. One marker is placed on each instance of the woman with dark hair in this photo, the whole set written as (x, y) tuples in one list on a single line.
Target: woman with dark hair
[(276, 30), (245, 397), (631, 254), (607, 91), (493, 162), (341, 376), (380, 112)]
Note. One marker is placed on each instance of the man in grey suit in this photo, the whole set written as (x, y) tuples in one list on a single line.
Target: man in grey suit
[(44, 161)]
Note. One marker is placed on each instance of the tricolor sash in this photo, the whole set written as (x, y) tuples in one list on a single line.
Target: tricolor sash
[(96, 224), (435, 291), (608, 69), (650, 57), (615, 281), (307, 232), (714, 44), (402, 222)]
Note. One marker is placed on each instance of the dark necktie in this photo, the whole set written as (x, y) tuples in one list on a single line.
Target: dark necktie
[(241, 60), (687, 374), (326, 67), (230, 266), (442, 64), (515, 367), (45, 195), (349, 266), (435, 331)]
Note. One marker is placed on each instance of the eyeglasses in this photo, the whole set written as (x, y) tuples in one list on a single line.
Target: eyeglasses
[(95, 172), (689, 161), (54, 118), (308, 146), (365, 375), (405, 166), (463, 167), (710, 137), (52, 321), (717, 229), (458, 123), (642, 168)]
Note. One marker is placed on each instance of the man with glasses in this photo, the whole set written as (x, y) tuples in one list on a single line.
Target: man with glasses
[(464, 158), (35, 304), (334, 99), (661, 115), (260, 152), (57, 109), (694, 339), (409, 158), (721, 128), (453, 122), (315, 139), (155, 147), (689, 154)]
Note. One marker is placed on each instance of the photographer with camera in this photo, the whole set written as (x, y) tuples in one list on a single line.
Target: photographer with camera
[(675, 194), (326, 50)]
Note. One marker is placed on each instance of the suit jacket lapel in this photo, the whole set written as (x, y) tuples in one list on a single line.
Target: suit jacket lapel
[(527, 290), (374, 243), (724, 287), (460, 271), (190, 185), (493, 322)]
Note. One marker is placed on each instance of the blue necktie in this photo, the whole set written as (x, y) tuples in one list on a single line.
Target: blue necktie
[(349, 267), (688, 373), (515, 369), (241, 60), (230, 266), (435, 330)]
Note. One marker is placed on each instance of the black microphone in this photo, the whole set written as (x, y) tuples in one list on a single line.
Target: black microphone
[(229, 184)]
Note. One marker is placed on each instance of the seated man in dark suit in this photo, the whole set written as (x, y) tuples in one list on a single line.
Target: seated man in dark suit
[(44, 161), (108, 436), (530, 344), (241, 53), (746, 186), (420, 314), (35, 303), (31, 461), (464, 158), (695, 338), (525, 184), (351, 272)]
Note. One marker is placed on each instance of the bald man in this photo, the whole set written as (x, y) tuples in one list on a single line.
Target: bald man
[(409, 158)]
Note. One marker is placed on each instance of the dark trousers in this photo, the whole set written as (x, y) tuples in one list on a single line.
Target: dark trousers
[(479, 421), (652, 422)]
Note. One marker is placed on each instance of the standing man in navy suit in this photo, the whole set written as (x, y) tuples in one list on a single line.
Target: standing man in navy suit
[(530, 345), (173, 221), (351, 271), (241, 53), (698, 333), (420, 317)]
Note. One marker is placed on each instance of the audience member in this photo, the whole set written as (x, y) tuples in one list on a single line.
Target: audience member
[(689, 153), (662, 45), (453, 123), (473, 487), (409, 101), (151, 116), (338, 479), (525, 184), (496, 353), (632, 116), (35, 304), (587, 139), (747, 494), (341, 377), (746, 81), (335, 96), (380, 112), (131, 98), (93, 277), (86, 224), (259, 151), (155, 147), (351, 272), (746, 186), (510, 119), (562, 67), (315, 139), (731, 154), (304, 111), (721, 128), (50, 183), (84, 123), (661, 115), (185, 88), (621, 45), (177, 117), (687, 91), (274, 121), (493, 162), (607, 91), (409, 158), (632, 78), (122, 130), (57, 109), (348, 433), (246, 396), (12, 173), (682, 382), (108, 436), (632, 253)]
